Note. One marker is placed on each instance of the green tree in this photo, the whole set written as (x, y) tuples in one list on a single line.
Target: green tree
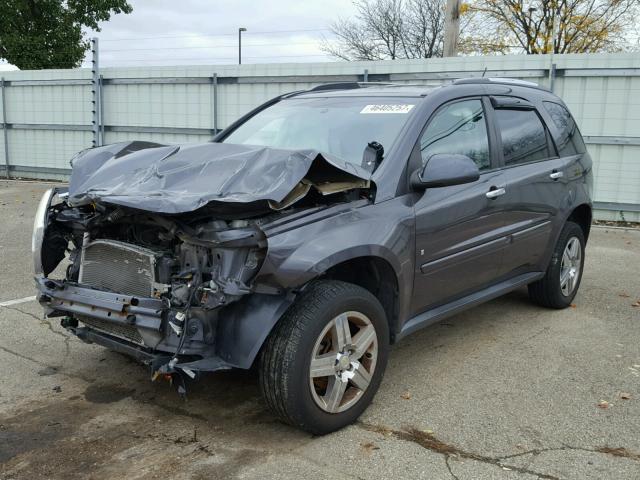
[(39, 34)]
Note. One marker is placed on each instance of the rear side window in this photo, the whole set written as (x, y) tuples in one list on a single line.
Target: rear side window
[(570, 141), (458, 128), (524, 138)]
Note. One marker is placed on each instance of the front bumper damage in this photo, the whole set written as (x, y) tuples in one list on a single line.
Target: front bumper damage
[(239, 329), (169, 249), (123, 313)]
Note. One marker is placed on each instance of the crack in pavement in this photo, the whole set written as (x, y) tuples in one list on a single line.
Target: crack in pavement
[(43, 364), (15, 309), (615, 452), (446, 461), (24, 357), (49, 326), (430, 442)]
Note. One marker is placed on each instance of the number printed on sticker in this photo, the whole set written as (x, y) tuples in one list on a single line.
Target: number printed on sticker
[(386, 108)]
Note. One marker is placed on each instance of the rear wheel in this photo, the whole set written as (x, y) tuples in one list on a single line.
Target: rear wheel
[(560, 284), (324, 361)]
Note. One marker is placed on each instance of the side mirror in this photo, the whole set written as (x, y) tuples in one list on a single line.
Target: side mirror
[(443, 170)]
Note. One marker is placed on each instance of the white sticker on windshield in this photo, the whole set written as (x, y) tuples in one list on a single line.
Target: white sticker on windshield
[(404, 108)]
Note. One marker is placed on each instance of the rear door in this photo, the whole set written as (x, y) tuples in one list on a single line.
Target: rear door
[(535, 180), (459, 230)]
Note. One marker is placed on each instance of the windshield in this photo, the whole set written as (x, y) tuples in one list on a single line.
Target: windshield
[(340, 126)]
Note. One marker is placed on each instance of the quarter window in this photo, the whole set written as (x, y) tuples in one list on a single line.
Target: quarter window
[(570, 141), (458, 128), (524, 138)]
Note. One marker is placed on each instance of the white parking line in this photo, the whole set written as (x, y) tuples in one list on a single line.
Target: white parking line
[(17, 301)]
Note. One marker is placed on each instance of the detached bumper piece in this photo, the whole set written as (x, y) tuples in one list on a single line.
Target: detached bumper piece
[(114, 313), (127, 324)]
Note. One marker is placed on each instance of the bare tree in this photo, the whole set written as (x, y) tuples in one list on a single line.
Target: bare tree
[(389, 29), (426, 27), (583, 25)]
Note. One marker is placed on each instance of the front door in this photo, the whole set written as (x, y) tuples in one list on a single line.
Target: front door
[(459, 229)]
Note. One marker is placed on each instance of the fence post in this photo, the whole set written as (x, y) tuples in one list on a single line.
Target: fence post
[(214, 102), (5, 133), (101, 91), (95, 93)]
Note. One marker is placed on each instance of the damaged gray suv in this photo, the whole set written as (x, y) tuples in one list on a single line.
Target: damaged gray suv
[(316, 231)]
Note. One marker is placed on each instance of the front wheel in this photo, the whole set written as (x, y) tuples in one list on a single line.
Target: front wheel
[(324, 361), (560, 284)]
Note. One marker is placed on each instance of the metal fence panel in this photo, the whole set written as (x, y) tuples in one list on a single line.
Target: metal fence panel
[(43, 104), (114, 137)]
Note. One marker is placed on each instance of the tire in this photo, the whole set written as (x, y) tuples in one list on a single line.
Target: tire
[(550, 291), (310, 326)]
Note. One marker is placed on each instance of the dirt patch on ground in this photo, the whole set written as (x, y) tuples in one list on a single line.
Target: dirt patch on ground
[(106, 393), (114, 431), (620, 452), (430, 442)]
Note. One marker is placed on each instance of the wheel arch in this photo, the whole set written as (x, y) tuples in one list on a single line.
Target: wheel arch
[(376, 275), (582, 215)]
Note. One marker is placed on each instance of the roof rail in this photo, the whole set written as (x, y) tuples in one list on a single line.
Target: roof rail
[(346, 86), (499, 80)]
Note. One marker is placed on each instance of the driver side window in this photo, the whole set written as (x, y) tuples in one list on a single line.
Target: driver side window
[(458, 128)]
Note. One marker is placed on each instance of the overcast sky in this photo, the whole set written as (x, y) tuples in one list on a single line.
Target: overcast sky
[(187, 32), (166, 32)]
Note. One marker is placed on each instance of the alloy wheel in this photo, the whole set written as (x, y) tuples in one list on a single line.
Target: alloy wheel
[(570, 266), (343, 361)]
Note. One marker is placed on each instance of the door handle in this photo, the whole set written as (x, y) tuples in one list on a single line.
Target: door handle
[(495, 192), (556, 175)]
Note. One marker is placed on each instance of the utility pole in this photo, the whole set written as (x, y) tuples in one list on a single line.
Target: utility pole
[(554, 38), (531, 41), (240, 30), (451, 28)]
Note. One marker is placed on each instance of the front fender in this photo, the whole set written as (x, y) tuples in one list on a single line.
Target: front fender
[(302, 253), (244, 326)]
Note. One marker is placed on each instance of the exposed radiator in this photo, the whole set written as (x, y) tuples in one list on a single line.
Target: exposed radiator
[(126, 332), (118, 267)]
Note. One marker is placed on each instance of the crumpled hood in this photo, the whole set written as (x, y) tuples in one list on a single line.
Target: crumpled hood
[(178, 179)]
